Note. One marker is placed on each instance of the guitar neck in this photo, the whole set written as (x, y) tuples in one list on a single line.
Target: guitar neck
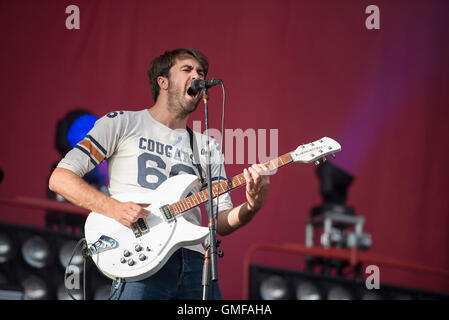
[(181, 206)]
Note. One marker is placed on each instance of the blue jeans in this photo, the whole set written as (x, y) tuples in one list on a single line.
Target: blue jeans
[(180, 278)]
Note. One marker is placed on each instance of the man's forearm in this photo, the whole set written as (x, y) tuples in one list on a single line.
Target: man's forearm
[(235, 218), (76, 190)]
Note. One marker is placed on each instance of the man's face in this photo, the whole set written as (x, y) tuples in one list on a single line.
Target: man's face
[(181, 75)]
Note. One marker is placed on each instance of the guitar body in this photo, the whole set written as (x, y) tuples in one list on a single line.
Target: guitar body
[(135, 258), (140, 251)]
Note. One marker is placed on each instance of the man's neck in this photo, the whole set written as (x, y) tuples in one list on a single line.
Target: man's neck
[(162, 114)]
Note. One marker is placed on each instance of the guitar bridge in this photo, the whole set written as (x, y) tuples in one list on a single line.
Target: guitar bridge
[(167, 213)]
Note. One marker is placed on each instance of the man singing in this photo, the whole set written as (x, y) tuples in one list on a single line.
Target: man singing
[(145, 148)]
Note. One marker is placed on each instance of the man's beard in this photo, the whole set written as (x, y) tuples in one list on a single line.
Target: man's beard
[(177, 102)]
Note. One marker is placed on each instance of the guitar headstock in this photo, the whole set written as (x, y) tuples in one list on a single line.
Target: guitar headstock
[(313, 151)]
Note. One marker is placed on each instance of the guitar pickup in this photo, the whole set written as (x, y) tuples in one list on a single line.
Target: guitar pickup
[(167, 213), (140, 227)]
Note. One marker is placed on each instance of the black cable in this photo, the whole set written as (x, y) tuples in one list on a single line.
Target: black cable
[(83, 240), (84, 271), (221, 153), (221, 163), (115, 289)]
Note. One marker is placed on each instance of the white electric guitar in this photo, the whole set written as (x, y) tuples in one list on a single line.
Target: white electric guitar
[(138, 252)]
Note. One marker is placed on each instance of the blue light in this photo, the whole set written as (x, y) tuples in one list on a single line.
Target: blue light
[(79, 128)]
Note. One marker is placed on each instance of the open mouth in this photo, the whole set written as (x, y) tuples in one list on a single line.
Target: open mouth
[(192, 94)]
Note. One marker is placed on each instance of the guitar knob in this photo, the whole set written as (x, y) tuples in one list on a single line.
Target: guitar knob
[(126, 253), (138, 248), (130, 262), (122, 260), (142, 257)]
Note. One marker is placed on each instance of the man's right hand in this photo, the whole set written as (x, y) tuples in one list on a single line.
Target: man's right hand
[(128, 212), (76, 190)]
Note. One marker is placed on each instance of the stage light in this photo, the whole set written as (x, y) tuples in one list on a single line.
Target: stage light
[(274, 288), (307, 291), (338, 223), (72, 128), (334, 183), (270, 283), (35, 288), (5, 248), (339, 293), (79, 127), (65, 253), (35, 260), (36, 252)]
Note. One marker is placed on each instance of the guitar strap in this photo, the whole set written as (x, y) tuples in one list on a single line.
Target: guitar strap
[(196, 156)]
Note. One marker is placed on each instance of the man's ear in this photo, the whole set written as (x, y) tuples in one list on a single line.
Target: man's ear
[(163, 82)]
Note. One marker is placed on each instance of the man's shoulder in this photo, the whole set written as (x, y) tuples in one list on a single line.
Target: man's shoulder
[(121, 118), (125, 114)]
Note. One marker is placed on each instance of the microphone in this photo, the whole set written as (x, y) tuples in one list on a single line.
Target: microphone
[(198, 85)]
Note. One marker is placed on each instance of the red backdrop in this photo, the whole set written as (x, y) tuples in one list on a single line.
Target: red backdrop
[(307, 68)]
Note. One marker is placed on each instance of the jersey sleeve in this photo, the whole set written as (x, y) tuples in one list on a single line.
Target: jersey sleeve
[(99, 144)]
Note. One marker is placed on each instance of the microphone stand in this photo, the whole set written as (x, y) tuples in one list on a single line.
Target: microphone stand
[(210, 256)]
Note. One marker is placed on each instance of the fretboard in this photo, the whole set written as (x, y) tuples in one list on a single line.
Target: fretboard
[(181, 206)]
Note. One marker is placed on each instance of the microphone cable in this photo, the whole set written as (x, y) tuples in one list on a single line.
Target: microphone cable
[(220, 153)]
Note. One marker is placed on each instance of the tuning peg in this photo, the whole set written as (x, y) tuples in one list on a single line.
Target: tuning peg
[(317, 163), (324, 159), (333, 155)]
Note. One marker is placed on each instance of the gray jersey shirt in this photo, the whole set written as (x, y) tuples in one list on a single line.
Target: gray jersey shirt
[(142, 153)]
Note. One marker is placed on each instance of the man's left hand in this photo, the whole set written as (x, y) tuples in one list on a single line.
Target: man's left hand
[(257, 184)]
